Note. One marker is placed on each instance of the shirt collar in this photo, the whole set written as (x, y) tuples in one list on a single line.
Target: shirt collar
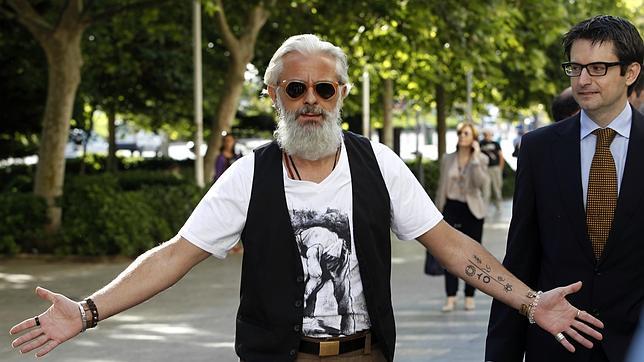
[(621, 124)]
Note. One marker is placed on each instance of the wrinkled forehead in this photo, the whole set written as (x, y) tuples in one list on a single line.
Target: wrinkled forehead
[(309, 67)]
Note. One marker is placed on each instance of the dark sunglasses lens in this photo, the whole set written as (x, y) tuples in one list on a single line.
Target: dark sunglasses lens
[(325, 90), (295, 89)]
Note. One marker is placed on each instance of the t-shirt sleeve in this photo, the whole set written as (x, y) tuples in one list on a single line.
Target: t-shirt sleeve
[(412, 211), (216, 223)]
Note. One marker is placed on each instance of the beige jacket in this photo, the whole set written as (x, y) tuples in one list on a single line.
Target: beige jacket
[(476, 180)]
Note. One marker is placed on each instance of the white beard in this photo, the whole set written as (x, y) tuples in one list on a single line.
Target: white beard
[(309, 141)]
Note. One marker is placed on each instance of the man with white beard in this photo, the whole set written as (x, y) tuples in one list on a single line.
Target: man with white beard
[(314, 209)]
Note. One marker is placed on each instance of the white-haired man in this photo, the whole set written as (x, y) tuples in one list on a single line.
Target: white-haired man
[(314, 209)]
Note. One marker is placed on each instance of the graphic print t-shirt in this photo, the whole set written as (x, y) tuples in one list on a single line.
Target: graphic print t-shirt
[(334, 303), (321, 215)]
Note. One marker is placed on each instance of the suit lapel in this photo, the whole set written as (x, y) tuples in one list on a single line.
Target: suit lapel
[(566, 156), (630, 192)]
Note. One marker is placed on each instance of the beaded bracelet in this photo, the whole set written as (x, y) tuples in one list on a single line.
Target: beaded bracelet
[(94, 310), (89, 308), (528, 310), (533, 307)]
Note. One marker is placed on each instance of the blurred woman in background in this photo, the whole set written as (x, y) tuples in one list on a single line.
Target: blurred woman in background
[(226, 156), (462, 181)]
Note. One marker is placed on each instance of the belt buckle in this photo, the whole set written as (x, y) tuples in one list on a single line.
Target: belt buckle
[(329, 348)]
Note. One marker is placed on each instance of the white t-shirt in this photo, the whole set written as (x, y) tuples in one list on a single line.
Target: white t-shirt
[(321, 215)]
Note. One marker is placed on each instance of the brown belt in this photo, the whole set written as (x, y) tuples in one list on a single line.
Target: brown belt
[(337, 345)]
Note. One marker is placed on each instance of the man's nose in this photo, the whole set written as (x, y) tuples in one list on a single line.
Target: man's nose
[(309, 96), (585, 77)]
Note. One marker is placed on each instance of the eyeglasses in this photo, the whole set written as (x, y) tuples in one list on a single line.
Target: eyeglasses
[(295, 89), (594, 69)]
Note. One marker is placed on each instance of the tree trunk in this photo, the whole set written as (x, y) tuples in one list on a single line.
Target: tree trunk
[(64, 64), (226, 110), (441, 119), (111, 165), (242, 50), (387, 122)]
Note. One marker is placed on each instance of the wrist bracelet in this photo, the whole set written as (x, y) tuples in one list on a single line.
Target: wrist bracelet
[(528, 310), (91, 315), (83, 318), (94, 310), (533, 307)]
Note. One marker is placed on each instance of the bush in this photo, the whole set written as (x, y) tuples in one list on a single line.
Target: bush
[(173, 204), (16, 178), (124, 213), (22, 216), (431, 171), (140, 179), (103, 214)]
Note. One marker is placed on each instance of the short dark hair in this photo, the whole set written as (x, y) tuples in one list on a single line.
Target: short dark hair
[(564, 105), (624, 36)]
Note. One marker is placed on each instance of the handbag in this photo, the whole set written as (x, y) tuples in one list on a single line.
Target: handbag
[(432, 266)]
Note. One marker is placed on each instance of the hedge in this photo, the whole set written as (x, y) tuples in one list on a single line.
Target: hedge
[(119, 214), (108, 214), (22, 216)]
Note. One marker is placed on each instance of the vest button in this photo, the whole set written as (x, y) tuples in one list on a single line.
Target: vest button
[(298, 303), (300, 279), (297, 328), (292, 352)]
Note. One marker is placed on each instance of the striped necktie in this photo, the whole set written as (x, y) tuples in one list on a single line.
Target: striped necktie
[(602, 191)]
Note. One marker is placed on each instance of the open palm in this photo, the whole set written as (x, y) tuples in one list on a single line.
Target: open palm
[(556, 315), (57, 324)]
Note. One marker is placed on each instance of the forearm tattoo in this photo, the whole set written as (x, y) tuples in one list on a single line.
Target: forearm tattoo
[(483, 272)]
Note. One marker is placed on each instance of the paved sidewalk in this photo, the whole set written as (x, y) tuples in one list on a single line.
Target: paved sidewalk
[(195, 319)]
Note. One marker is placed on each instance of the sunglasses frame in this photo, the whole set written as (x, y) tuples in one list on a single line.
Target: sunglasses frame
[(285, 83)]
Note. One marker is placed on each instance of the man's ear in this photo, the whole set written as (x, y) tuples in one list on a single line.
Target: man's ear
[(633, 70), (271, 93), (345, 91)]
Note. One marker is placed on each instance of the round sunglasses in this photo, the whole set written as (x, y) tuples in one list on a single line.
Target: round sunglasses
[(295, 89)]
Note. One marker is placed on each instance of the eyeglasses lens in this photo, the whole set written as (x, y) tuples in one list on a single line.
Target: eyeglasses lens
[(295, 89), (596, 69), (325, 90)]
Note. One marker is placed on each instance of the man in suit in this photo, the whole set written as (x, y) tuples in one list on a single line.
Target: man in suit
[(577, 213)]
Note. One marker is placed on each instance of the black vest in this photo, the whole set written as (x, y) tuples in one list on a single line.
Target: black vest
[(269, 319)]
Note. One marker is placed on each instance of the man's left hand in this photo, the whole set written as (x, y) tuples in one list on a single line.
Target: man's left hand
[(561, 319)]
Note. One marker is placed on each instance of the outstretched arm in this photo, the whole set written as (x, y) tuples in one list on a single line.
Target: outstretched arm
[(467, 259), (152, 272)]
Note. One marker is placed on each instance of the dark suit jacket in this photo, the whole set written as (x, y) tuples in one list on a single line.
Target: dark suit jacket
[(548, 247)]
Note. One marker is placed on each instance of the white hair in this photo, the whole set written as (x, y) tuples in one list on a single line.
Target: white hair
[(308, 141), (307, 44)]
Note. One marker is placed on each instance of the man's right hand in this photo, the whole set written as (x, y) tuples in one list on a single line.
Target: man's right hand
[(62, 321)]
